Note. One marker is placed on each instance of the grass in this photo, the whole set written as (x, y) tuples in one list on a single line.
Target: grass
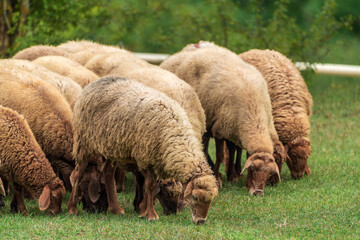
[(324, 205)]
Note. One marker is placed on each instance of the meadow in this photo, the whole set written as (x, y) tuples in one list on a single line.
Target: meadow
[(323, 205)]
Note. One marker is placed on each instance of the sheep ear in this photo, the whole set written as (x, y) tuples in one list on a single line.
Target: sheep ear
[(2, 190), (44, 199), (188, 189), (248, 164), (94, 189)]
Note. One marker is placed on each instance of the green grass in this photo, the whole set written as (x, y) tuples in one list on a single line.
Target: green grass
[(324, 205)]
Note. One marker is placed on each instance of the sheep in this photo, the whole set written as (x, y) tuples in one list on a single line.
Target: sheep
[(46, 111), (67, 87), (131, 124), (291, 104), (50, 118), (126, 64), (23, 163), (237, 108), (34, 52), (68, 68)]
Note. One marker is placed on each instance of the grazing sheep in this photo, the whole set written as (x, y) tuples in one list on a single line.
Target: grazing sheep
[(34, 52), (237, 107), (68, 68), (67, 87), (47, 113), (50, 118), (291, 105), (23, 163), (131, 124)]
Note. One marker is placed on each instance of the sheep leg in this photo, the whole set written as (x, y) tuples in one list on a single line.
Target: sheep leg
[(238, 161), (76, 175), (150, 183), (63, 170), (139, 193), (205, 140), (231, 174), (226, 157), (219, 144), (110, 186), (120, 175), (17, 202)]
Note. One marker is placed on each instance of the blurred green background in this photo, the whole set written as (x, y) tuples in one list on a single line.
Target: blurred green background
[(304, 30)]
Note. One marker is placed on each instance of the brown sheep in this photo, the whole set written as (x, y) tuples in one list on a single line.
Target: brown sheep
[(23, 162), (34, 52), (68, 68), (67, 87), (131, 124), (50, 118), (237, 107), (291, 105), (47, 113)]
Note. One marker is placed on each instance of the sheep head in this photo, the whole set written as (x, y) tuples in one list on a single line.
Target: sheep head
[(200, 192), (92, 190), (280, 157), (168, 192), (51, 196), (261, 166), (298, 151)]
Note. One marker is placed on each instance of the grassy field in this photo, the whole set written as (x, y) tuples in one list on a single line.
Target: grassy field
[(324, 205)]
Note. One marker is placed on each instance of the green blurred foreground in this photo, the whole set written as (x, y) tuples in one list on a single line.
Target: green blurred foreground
[(324, 205)]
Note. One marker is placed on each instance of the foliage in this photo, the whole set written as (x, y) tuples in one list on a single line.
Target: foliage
[(164, 26), (53, 22)]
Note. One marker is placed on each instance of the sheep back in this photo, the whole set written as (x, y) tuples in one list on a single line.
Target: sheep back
[(45, 109), (68, 68), (34, 52), (233, 94), (290, 98), (67, 87), (127, 122)]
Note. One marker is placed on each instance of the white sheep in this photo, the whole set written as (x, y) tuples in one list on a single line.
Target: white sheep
[(237, 106), (131, 124)]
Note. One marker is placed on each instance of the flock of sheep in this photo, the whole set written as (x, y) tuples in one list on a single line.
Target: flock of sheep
[(79, 115)]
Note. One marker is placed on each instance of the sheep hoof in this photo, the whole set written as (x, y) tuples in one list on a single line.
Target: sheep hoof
[(150, 216), (219, 182), (233, 178), (72, 211), (117, 211), (24, 212)]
